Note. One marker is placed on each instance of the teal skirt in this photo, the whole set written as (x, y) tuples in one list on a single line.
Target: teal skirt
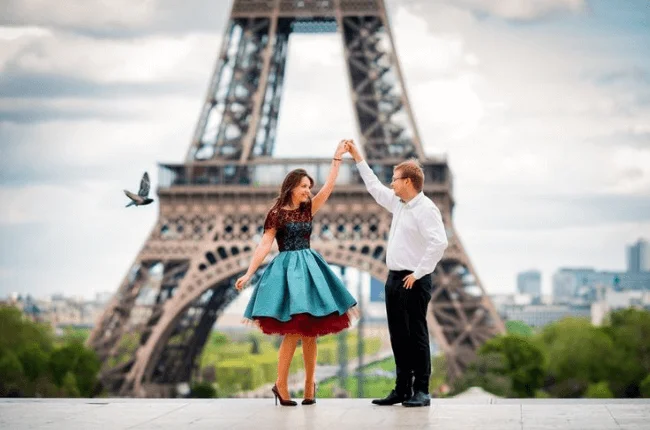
[(299, 294)]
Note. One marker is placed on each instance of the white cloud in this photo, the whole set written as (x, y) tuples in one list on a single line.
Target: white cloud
[(630, 166), (5, 273), (524, 10), (81, 238), (117, 18), (86, 13), (139, 60), (98, 141), (18, 33), (53, 204), (436, 54), (522, 118)]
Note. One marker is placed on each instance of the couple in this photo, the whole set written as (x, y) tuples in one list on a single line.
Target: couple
[(299, 296)]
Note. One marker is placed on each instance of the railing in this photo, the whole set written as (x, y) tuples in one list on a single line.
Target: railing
[(271, 172)]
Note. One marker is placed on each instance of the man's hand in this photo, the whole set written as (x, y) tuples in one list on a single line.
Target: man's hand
[(409, 280), (354, 151)]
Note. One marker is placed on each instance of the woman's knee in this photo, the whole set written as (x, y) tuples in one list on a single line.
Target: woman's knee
[(310, 340)]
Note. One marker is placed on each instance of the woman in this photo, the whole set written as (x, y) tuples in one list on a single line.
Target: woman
[(298, 295)]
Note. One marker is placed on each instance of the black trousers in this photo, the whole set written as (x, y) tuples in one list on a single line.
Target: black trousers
[(409, 336)]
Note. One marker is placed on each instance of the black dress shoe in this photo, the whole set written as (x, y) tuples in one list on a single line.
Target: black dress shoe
[(418, 399), (392, 399)]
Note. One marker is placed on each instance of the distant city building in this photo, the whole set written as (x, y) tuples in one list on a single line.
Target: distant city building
[(501, 300), (541, 315), (611, 300), (579, 285), (59, 310), (530, 282), (638, 257), (569, 284)]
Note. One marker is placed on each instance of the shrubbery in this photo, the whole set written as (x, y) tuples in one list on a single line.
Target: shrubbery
[(34, 364), (569, 358), (238, 368)]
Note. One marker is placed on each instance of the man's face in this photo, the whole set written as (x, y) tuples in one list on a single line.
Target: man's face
[(399, 183)]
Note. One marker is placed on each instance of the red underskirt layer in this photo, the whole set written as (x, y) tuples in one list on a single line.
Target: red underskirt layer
[(305, 324)]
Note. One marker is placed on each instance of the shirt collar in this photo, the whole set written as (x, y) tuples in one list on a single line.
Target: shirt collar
[(414, 201)]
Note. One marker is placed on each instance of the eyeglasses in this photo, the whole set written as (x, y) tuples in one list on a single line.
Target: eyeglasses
[(395, 179)]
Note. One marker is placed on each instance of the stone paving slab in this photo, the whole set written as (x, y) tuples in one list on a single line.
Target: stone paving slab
[(331, 414)]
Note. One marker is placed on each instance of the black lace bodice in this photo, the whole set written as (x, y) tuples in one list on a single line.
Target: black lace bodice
[(292, 227)]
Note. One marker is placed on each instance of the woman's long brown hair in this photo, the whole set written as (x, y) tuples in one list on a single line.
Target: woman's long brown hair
[(291, 181)]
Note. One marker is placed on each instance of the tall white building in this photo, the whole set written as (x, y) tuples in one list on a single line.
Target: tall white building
[(638, 257)]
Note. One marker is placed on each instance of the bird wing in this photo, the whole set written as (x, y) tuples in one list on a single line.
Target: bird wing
[(144, 185), (134, 197)]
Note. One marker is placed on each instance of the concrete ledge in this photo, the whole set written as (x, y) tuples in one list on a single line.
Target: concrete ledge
[(337, 414)]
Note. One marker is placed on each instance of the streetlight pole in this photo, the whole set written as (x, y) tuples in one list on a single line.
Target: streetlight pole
[(360, 342)]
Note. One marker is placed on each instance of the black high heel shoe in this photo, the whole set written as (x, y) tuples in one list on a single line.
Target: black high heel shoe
[(310, 401), (282, 401)]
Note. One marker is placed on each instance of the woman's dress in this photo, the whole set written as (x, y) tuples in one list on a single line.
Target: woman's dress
[(298, 292)]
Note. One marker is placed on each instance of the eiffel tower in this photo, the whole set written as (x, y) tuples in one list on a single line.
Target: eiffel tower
[(212, 206)]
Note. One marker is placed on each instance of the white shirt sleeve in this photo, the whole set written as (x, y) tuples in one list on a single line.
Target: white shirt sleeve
[(382, 194), (433, 230)]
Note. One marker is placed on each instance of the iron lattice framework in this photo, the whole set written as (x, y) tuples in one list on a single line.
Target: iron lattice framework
[(212, 207)]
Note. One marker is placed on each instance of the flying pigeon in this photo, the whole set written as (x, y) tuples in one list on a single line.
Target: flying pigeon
[(142, 198)]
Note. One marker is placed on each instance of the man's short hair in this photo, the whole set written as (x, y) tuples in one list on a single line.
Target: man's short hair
[(413, 170)]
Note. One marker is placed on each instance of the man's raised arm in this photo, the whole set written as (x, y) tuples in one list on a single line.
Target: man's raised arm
[(382, 194)]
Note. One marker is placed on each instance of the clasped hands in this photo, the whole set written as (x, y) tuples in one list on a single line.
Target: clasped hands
[(347, 145)]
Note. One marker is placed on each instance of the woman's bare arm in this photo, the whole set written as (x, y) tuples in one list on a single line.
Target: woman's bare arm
[(319, 199)]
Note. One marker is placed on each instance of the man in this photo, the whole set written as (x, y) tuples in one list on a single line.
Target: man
[(416, 243)]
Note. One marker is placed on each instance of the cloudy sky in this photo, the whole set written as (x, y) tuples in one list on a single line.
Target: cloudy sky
[(543, 108)]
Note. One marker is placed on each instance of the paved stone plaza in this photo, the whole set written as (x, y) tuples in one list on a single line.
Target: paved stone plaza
[(335, 414)]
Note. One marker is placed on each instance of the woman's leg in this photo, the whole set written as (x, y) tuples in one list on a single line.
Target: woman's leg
[(309, 352), (285, 355)]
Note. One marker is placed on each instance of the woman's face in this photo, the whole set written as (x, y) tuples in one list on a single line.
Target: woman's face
[(302, 192)]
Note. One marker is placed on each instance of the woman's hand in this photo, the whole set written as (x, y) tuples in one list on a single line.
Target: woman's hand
[(354, 313), (341, 149), (241, 282)]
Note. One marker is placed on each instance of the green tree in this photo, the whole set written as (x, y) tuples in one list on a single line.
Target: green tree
[(69, 387), (487, 371), (645, 387), (79, 360), (578, 354), (30, 365), (629, 329), (12, 378), (34, 361), (73, 334), (18, 332), (523, 362), (519, 328), (203, 390), (599, 390), (218, 338)]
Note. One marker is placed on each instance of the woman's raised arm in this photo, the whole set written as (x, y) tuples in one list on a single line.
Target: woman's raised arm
[(319, 199)]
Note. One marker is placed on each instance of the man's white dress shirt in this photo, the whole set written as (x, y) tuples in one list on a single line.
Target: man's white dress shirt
[(417, 238)]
